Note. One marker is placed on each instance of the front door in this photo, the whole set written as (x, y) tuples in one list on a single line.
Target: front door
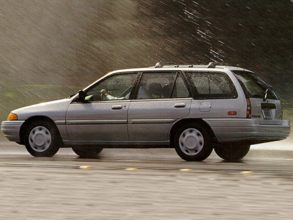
[(102, 118)]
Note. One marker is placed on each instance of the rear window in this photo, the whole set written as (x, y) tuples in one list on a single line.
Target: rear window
[(212, 85), (253, 86)]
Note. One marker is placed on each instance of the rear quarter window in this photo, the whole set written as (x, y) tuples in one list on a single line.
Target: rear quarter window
[(253, 86), (212, 85)]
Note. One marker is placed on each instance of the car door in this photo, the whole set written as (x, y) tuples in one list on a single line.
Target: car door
[(162, 98), (102, 118), (215, 96)]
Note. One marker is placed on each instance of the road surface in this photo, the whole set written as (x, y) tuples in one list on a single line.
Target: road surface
[(144, 184)]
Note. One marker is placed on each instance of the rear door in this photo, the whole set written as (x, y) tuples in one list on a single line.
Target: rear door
[(215, 96), (162, 98), (264, 103)]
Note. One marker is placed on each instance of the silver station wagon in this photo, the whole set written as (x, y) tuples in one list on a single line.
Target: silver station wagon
[(193, 108)]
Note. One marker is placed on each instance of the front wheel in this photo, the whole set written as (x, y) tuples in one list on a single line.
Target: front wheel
[(192, 142), (42, 139), (87, 151), (232, 152)]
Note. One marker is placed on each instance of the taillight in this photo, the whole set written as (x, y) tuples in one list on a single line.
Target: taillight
[(248, 108), (232, 113)]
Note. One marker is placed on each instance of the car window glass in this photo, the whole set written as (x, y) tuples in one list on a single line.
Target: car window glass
[(156, 85), (253, 86), (117, 87), (180, 89), (213, 85)]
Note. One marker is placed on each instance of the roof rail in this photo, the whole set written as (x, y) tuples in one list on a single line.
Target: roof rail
[(211, 65), (158, 65)]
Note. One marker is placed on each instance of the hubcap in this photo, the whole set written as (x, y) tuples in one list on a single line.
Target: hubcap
[(191, 141), (40, 138)]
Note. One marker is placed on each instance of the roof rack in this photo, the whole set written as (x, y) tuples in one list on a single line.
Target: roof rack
[(158, 65), (210, 65)]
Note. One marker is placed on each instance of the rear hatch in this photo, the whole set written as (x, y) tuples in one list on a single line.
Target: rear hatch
[(262, 101)]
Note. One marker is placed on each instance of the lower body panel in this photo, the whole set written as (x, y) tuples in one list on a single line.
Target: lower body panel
[(251, 130), (11, 130)]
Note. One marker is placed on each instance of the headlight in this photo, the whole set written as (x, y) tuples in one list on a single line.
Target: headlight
[(12, 117)]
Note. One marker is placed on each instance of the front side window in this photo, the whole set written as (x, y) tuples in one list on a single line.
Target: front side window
[(116, 87), (156, 85), (212, 85)]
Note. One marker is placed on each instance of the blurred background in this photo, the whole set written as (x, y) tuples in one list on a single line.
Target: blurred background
[(49, 49)]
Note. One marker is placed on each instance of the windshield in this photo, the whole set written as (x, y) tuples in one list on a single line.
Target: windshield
[(253, 86)]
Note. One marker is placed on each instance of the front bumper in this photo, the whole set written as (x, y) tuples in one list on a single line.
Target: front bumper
[(11, 130), (252, 130)]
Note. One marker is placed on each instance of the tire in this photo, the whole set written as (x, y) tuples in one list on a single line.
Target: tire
[(42, 139), (232, 152), (87, 151), (192, 142)]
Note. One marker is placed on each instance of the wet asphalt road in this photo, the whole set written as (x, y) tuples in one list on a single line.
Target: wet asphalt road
[(144, 184)]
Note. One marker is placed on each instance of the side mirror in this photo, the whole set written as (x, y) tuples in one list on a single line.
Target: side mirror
[(81, 96)]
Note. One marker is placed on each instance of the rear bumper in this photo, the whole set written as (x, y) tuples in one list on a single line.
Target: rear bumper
[(11, 130), (252, 130)]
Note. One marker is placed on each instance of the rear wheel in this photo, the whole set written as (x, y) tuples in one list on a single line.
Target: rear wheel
[(192, 142), (42, 139), (87, 151), (232, 152)]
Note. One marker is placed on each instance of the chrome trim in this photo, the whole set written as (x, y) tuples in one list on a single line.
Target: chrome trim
[(244, 122), (161, 99), (151, 121), (93, 122), (60, 122)]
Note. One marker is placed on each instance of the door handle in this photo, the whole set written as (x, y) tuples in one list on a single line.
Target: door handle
[(116, 107), (179, 105)]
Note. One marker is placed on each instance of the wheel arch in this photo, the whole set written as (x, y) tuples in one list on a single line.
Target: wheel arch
[(184, 121), (37, 118)]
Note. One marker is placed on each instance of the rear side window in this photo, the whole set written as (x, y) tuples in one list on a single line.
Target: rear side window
[(180, 90), (253, 86), (156, 85), (212, 85), (162, 85)]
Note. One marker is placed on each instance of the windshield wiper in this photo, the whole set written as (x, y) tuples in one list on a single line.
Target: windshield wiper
[(265, 96)]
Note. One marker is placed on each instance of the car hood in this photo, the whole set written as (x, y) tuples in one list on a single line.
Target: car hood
[(56, 110)]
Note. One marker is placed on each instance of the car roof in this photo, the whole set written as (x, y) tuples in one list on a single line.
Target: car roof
[(181, 67), (206, 68)]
